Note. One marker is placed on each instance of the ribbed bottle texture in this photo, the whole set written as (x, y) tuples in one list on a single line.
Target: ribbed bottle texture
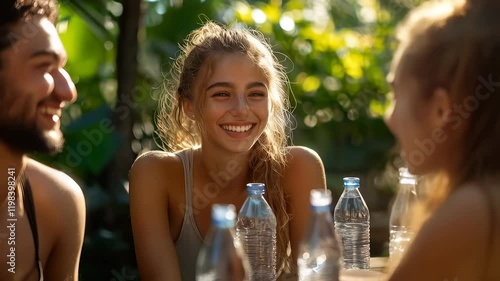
[(256, 231), (352, 223)]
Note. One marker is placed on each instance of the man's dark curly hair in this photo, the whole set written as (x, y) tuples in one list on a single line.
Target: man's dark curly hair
[(14, 11)]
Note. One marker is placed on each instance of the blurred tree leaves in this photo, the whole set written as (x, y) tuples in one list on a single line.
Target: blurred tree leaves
[(337, 54), (337, 74)]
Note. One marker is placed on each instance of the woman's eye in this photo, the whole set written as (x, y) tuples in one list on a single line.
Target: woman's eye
[(257, 94), (220, 94)]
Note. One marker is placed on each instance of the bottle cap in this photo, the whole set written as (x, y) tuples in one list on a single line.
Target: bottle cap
[(255, 188), (351, 182), (405, 177), (321, 197), (223, 215)]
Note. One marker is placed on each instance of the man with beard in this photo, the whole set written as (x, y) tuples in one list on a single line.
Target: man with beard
[(42, 210)]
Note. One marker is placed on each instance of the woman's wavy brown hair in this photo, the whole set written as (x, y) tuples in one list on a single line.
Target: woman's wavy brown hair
[(191, 70)]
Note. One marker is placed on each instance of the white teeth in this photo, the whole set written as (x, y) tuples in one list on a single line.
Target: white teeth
[(51, 111), (238, 129)]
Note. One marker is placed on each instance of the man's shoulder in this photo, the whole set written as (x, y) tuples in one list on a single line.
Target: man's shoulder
[(51, 184)]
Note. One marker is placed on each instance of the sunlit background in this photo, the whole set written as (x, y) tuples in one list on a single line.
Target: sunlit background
[(336, 53)]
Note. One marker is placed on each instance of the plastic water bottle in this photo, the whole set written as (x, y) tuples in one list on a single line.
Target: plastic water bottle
[(352, 223), (221, 257), (256, 231), (319, 251), (400, 225)]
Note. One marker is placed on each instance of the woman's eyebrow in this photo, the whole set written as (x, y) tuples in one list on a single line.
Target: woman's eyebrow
[(220, 84), (231, 85)]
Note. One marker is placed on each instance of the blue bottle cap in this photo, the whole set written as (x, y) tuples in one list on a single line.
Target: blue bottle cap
[(223, 215), (351, 182), (255, 188)]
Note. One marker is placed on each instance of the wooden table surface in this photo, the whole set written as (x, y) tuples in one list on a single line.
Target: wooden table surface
[(375, 272)]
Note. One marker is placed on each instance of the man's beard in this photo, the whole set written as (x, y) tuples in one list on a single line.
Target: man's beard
[(26, 138)]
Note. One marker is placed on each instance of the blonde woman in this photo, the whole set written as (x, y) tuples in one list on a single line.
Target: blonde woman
[(223, 121), (446, 116)]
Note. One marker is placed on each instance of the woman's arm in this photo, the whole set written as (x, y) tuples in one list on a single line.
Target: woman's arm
[(454, 236), (154, 246), (304, 172)]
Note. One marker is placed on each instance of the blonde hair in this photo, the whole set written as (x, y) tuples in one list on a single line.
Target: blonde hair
[(191, 70), (454, 45)]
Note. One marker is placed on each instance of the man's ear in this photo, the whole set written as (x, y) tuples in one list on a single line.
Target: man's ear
[(187, 107), (442, 107)]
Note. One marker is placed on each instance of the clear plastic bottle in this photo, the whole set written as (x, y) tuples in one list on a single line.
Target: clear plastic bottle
[(256, 231), (221, 257), (352, 223), (319, 251), (400, 225)]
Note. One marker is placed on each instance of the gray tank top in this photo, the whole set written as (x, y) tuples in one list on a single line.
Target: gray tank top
[(190, 241)]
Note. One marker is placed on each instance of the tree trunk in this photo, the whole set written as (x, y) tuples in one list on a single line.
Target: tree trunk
[(123, 119)]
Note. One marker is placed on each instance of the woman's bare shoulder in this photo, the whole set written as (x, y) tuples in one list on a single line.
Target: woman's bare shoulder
[(470, 196), (304, 170), (155, 160), (454, 233), (464, 210), (155, 156), (302, 154), (156, 168)]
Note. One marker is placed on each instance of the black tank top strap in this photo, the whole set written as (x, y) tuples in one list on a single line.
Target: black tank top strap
[(29, 206)]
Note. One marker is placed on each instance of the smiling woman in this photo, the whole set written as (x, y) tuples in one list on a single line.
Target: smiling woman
[(223, 121), (236, 100)]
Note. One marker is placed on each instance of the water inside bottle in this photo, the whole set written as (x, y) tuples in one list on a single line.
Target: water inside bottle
[(258, 239), (352, 223), (400, 237)]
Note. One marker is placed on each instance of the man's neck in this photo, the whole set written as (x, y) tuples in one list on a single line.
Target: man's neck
[(12, 165)]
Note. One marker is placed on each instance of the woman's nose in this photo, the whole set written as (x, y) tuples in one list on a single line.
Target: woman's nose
[(64, 88), (240, 106)]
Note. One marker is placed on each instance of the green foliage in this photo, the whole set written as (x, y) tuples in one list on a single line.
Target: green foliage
[(337, 54), (337, 57)]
